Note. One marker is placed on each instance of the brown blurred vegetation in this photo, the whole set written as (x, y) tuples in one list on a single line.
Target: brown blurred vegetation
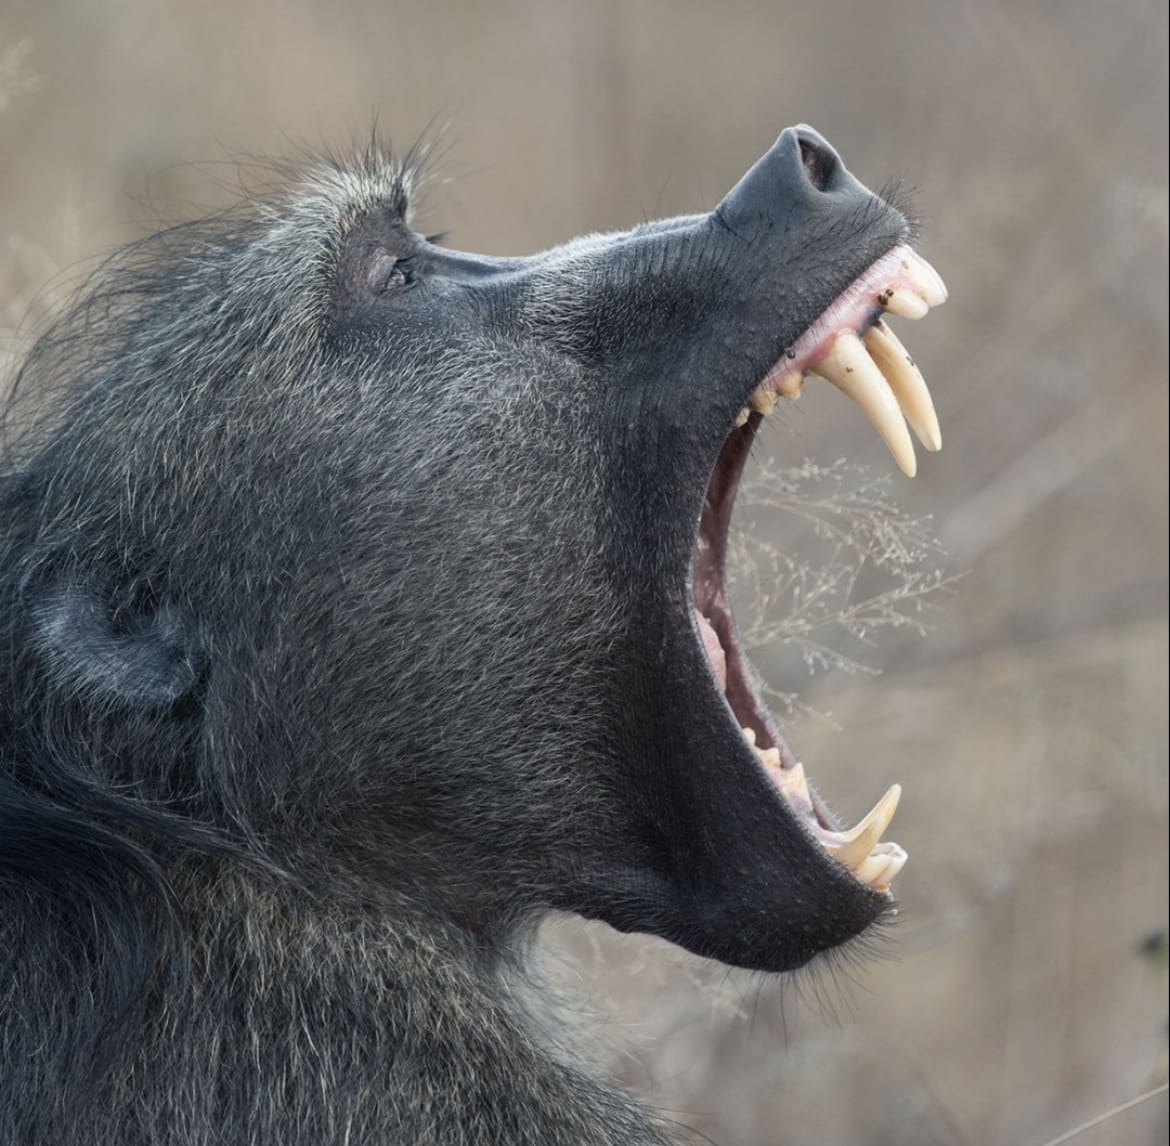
[(1029, 728)]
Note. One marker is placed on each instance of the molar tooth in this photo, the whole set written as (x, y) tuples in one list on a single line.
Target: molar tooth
[(795, 785), (770, 758), (906, 381), (851, 848), (849, 367), (763, 401), (791, 383), (903, 302), (923, 276)]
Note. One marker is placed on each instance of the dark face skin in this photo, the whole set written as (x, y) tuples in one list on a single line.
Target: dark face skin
[(418, 605), (672, 325)]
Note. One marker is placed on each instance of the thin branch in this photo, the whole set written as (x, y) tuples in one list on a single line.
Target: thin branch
[(813, 602), (1113, 1112)]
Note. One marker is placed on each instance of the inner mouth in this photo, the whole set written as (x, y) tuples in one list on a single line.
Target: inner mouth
[(850, 346)]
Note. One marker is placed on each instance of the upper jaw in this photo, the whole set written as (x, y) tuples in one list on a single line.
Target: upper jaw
[(851, 346)]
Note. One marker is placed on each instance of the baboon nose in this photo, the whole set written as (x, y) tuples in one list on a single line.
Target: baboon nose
[(821, 163), (797, 174)]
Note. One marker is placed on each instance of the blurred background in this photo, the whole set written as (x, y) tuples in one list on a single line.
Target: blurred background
[(1022, 990)]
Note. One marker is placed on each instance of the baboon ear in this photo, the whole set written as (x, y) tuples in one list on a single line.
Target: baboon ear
[(133, 650)]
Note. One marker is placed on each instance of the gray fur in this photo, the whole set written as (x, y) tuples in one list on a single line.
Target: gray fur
[(313, 1008), (329, 661)]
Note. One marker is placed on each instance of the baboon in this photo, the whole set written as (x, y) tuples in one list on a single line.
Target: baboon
[(362, 601)]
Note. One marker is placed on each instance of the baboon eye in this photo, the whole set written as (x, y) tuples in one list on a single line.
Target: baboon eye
[(388, 273)]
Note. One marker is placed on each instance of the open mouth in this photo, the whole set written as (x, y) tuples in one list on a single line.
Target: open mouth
[(850, 346)]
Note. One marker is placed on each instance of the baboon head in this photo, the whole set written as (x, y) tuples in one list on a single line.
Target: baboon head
[(400, 569)]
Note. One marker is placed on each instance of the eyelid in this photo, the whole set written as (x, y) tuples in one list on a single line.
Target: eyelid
[(385, 271)]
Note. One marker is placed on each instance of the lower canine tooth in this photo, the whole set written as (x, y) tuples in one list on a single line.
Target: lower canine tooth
[(906, 381), (851, 848), (742, 416), (849, 367), (904, 302)]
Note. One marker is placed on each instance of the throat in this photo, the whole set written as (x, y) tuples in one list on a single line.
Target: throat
[(712, 609)]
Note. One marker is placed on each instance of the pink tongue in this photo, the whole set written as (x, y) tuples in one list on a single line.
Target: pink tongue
[(715, 653)]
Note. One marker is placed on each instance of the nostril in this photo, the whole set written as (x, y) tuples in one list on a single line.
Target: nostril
[(800, 171), (820, 161)]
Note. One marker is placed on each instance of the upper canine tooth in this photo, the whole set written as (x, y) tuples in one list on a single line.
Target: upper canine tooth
[(903, 302), (849, 367), (851, 848), (924, 277), (906, 381)]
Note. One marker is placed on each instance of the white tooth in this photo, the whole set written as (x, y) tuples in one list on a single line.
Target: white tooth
[(881, 866), (795, 785), (850, 848), (880, 814), (749, 734), (903, 302), (906, 381), (763, 401), (769, 757), (849, 367), (871, 869), (742, 416), (924, 277), (791, 383)]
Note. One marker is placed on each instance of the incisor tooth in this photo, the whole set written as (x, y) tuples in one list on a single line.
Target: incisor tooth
[(925, 278), (850, 848), (849, 367), (881, 866), (742, 416), (749, 734), (871, 868), (903, 302), (906, 381)]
